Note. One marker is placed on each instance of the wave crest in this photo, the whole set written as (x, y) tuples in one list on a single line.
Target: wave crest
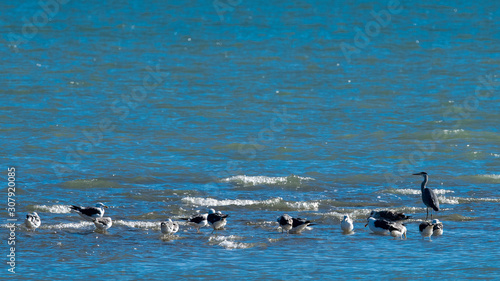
[(260, 180), (277, 203)]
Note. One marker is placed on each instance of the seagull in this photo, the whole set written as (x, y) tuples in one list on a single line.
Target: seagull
[(426, 229), (428, 196), (198, 221), (169, 227), (89, 213), (378, 226), (216, 219), (285, 221), (437, 227), (389, 215), (385, 227), (102, 223), (398, 230), (32, 221), (299, 225), (346, 225)]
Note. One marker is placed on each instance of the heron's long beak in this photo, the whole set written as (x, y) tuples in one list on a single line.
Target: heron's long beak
[(417, 174)]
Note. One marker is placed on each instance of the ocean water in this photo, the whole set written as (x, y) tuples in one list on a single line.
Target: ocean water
[(163, 109)]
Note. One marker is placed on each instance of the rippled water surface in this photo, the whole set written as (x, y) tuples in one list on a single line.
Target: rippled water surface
[(163, 109)]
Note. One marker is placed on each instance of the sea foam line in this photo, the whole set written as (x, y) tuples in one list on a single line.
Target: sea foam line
[(55, 209), (256, 180), (242, 202)]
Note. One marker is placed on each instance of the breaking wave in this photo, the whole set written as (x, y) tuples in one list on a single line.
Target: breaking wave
[(260, 180), (275, 203), (55, 209)]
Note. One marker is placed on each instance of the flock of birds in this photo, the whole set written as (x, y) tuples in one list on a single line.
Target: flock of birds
[(380, 222)]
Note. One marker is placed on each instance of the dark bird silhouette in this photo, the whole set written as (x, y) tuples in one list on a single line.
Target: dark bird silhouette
[(428, 196)]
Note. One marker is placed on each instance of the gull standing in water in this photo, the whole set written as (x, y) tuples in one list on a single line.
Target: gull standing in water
[(385, 227), (103, 224), (437, 227), (89, 213), (169, 227), (398, 230), (346, 225), (428, 196), (197, 221), (299, 225), (426, 229), (32, 221), (286, 222), (217, 220)]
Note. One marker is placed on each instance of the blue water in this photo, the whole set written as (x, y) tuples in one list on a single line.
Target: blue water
[(162, 109)]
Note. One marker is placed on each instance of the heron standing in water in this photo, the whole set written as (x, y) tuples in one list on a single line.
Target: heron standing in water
[(428, 196)]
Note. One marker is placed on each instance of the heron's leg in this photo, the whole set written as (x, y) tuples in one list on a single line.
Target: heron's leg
[(427, 213)]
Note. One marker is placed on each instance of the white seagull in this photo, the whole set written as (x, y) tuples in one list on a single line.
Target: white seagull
[(437, 227), (89, 213), (216, 219), (346, 225), (299, 225), (286, 222), (102, 223), (426, 229), (169, 227), (32, 221), (197, 221)]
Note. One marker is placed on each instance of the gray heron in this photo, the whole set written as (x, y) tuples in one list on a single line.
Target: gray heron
[(428, 196)]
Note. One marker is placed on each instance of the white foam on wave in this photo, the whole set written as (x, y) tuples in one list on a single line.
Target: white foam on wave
[(492, 176), (242, 202), (228, 242), (71, 225), (139, 224), (55, 209), (416, 191), (459, 200), (257, 180), (447, 132), (448, 200)]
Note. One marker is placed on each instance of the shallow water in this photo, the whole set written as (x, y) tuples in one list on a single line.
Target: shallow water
[(256, 112)]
